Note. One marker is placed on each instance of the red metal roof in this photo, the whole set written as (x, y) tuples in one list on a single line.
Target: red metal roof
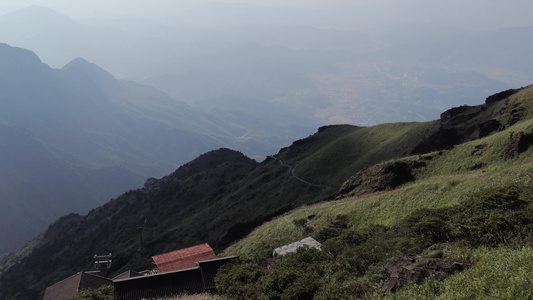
[(184, 258)]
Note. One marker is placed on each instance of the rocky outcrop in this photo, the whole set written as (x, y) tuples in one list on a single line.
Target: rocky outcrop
[(465, 123), (380, 177), (501, 95), (519, 142), (415, 269), (489, 127)]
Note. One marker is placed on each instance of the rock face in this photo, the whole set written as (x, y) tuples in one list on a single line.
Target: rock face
[(501, 95), (293, 247), (519, 142), (403, 269), (380, 177)]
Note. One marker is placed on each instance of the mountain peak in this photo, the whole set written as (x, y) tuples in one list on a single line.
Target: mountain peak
[(210, 159), (79, 62), (10, 55), (37, 13), (95, 72)]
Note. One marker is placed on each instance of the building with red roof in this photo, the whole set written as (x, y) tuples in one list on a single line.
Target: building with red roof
[(184, 258)]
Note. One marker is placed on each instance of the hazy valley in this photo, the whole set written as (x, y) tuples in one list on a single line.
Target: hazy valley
[(288, 72)]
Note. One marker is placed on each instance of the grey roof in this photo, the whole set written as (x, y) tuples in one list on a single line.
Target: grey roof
[(68, 287), (308, 241), (127, 274)]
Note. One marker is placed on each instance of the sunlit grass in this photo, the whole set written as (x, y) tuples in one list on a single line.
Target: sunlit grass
[(498, 273), (383, 208), (441, 184), (359, 149)]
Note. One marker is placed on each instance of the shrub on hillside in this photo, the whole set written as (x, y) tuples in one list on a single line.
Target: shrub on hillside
[(240, 280), (430, 225), (491, 217), (106, 292), (288, 283), (496, 216)]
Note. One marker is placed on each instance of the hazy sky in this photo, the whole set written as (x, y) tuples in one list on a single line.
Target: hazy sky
[(474, 14)]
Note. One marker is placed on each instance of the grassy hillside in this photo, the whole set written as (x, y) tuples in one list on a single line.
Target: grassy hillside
[(460, 202), (337, 152), (445, 181), (347, 149)]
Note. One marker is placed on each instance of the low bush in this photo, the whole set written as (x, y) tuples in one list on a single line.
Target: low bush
[(239, 280), (106, 292)]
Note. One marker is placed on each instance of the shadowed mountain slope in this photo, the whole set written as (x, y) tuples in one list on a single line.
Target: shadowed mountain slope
[(119, 129), (37, 185)]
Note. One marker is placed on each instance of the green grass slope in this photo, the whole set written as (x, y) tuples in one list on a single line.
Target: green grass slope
[(460, 201), (337, 152), (444, 182), (330, 162)]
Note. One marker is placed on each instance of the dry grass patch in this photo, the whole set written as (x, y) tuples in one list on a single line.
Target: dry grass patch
[(205, 296)]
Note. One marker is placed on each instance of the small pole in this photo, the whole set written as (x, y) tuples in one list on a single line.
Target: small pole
[(141, 227)]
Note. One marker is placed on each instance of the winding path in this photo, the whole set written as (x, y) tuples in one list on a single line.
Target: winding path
[(293, 174)]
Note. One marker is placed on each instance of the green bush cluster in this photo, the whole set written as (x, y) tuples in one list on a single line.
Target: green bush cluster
[(497, 216), (351, 263), (105, 292), (238, 280), (293, 276)]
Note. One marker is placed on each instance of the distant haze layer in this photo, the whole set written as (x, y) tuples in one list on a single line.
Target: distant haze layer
[(345, 14)]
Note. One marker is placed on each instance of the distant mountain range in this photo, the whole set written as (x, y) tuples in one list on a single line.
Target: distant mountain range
[(67, 125), (291, 75), (222, 195)]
